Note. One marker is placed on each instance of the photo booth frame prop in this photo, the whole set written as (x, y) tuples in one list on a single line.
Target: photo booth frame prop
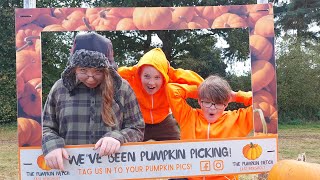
[(30, 23)]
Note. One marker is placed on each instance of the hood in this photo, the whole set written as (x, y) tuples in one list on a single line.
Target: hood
[(156, 58)]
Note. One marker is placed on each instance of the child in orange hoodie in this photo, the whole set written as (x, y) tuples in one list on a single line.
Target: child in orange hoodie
[(211, 121), (148, 79)]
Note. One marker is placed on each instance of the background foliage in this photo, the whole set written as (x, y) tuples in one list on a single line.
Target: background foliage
[(297, 53)]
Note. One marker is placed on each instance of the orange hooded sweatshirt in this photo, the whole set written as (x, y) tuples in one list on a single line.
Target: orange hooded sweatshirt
[(155, 108), (193, 125)]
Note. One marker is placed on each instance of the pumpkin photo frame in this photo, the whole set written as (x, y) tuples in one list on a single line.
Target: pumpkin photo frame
[(31, 22)]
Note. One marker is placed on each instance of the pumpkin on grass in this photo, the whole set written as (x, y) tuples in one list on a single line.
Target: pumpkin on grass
[(29, 132), (294, 170)]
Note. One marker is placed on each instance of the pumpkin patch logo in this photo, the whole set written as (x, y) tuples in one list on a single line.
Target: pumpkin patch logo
[(252, 151), (42, 163)]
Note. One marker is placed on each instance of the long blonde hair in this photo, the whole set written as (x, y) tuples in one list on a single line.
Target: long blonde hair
[(107, 98)]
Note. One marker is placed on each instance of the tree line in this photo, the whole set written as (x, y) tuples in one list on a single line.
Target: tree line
[(297, 59)]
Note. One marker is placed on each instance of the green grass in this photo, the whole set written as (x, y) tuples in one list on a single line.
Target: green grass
[(293, 139), (8, 152)]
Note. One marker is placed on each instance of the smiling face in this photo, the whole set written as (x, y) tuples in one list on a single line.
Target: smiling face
[(91, 77), (151, 79)]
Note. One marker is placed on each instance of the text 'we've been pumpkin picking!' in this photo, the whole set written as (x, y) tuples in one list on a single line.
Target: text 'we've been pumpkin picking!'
[(252, 151)]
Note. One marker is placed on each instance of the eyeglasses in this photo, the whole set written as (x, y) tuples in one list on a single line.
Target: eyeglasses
[(209, 104), (97, 75)]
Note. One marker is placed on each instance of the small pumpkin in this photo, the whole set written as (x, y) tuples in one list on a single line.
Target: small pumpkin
[(100, 19), (261, 47), (29, 132), (252, 151), (294, 170), (42, 163), (152, 18), (31, 98)]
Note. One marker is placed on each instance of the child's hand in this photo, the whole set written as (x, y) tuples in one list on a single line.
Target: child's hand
[(54, 158), (108, 146), (233, 96)]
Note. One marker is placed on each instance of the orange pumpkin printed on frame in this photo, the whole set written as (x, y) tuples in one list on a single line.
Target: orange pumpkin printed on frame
[(42, 163), (252, 151)]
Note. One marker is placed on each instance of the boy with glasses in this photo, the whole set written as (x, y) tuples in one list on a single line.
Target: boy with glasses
[(211, 120)]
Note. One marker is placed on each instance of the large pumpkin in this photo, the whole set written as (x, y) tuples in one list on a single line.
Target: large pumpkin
[(182, 14), (29, 132), (28, 65), (255, 12), (152, 18), (261, 47), (229, 20), (126, 24), (294, 170), (262, 74), (123, 12), (73, 20), (265, 26), (31, 98)]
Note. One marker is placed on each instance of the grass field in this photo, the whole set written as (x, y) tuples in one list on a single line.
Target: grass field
[(293, 139)]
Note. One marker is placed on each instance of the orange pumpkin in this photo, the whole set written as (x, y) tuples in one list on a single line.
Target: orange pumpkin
[(255, 12), (265, 118), (31, 98), (121, 12), (73, 20), (265, 26), (211, 12), (182, 14), (20, 86), (29, 132), (260, 47), (54, 27), (42, 163), (263, 96), (252, 151), (28, 65), (152, 18), (229, 20), (294, 170), (198, 22), (126, 24), (86, 26), (100, 19), (29, 32), (262, 74)]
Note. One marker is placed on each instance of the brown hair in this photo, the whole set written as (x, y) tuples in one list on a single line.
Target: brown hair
[(216, 89), (107, 98)]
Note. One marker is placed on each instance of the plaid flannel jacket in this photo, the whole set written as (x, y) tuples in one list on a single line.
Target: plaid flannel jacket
[(76, 119)]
